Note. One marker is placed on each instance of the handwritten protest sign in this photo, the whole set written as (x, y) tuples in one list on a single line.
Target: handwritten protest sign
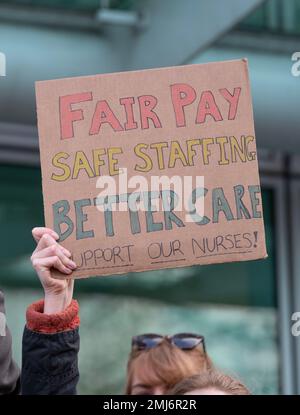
[(107, 140)]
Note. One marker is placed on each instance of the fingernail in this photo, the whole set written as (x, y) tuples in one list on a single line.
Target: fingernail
[(72, 264), (55, 235), (68, 271)]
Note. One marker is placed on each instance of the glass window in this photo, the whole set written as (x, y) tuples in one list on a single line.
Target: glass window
[(257, 20), (296, 18), (274, 16)]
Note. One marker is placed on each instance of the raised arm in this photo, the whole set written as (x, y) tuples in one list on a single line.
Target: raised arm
[(51, 338)]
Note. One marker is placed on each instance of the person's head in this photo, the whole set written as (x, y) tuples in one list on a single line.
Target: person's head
[(210, 383), (157, 363)]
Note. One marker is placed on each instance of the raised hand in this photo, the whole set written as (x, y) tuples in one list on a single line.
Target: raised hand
[(49, 255)]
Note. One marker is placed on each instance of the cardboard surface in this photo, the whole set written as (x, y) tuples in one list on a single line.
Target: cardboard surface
[(193, 120)]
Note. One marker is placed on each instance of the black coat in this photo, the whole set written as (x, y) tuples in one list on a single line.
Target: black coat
[(50, 363)]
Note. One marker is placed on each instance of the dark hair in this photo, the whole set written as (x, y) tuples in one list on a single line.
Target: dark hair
[(213, 380)]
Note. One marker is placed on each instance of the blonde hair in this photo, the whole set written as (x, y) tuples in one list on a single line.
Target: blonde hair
[(165, 364), (211, 379)]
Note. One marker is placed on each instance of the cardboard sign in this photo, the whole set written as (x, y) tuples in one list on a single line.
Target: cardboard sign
[(105, 142)]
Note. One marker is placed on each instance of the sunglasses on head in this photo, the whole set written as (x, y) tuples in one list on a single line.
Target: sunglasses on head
[(184, 341)]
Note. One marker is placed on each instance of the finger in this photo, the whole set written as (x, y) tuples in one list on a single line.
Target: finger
[(47, 240), (55, 250), (65, 251), (38, 232), (45, 264)]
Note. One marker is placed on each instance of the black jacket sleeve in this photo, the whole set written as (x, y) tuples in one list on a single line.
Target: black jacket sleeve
[(50, 363), (9, 371)]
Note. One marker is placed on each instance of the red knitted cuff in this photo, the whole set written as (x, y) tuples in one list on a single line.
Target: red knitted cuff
[(52, 323)]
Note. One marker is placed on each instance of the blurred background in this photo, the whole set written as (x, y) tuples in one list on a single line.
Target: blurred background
[(243, 309)]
